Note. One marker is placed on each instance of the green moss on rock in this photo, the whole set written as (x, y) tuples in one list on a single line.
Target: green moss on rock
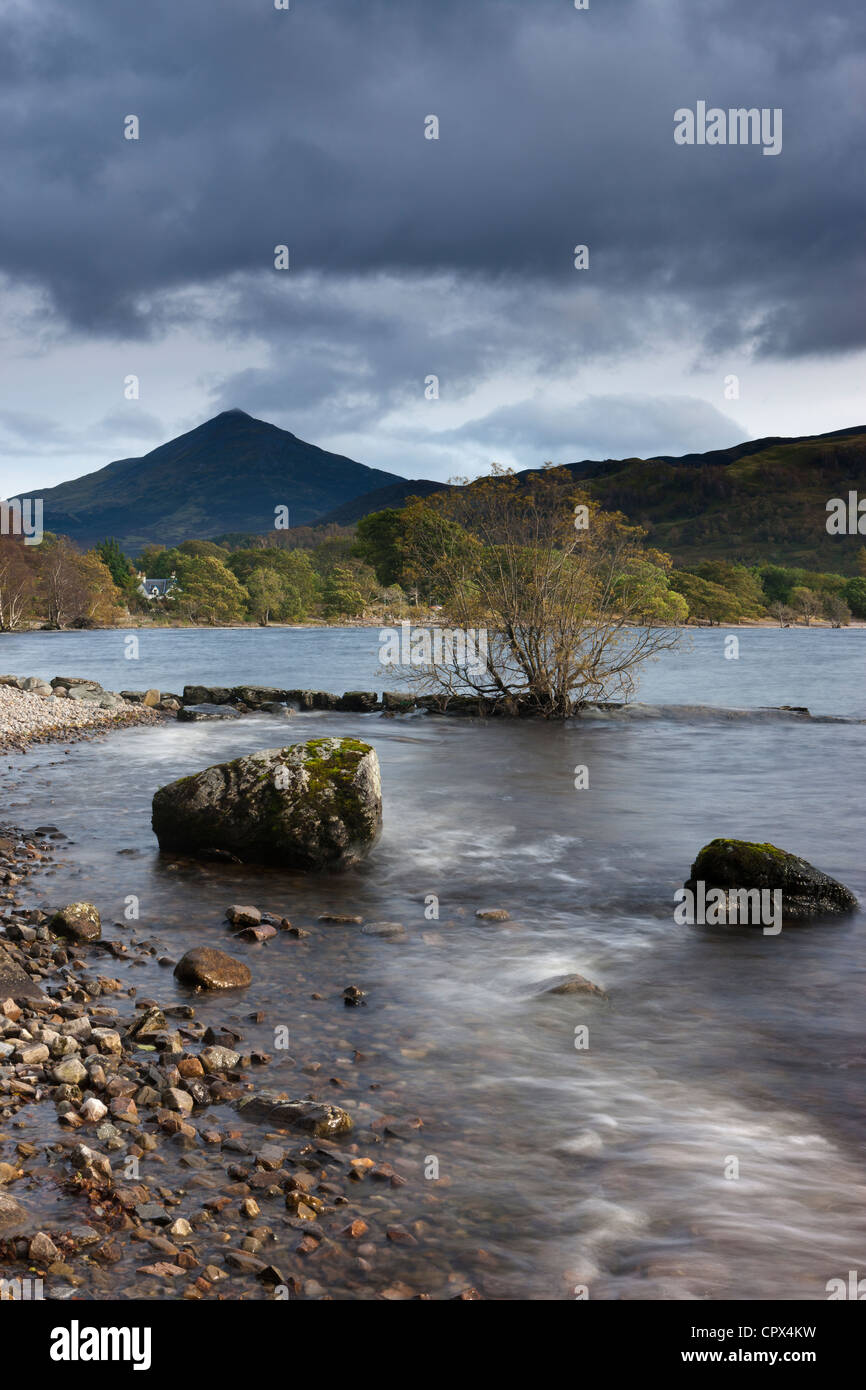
[(307, 805), (806, 891)]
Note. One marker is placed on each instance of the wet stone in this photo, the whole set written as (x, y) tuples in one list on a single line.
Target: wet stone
[(206, 968), (78, 921), (320, 1120)]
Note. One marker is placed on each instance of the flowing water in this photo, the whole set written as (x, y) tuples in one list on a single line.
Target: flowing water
[(611, 1165)]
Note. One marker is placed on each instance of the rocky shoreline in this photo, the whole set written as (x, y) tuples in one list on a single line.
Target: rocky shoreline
[(68, 708), (37, 711), (201, 702), (143, 1115)]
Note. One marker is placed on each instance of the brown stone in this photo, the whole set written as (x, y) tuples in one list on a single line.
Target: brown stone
[(206, 968), (78, 921)]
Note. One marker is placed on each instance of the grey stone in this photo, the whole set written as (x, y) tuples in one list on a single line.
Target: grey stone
[(306, 806)]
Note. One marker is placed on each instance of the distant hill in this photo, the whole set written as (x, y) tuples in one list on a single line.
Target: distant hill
[(762, 500), (392, 496), (226, 475), (765, 499)]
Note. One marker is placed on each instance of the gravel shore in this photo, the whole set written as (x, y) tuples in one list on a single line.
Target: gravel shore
[(26, 717)]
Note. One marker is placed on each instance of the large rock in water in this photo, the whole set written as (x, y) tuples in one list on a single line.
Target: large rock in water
[(806, 891), (206, 968), (307, 806)]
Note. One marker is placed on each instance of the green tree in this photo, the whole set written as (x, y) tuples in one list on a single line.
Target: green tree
[(199, 548), (805, 603), (335, 550), (150, 556), (294, 568), (380, 542), (267, 593), (341, 594), (645, 589), (119, 565), (776, 582), (159, 563), (208, 592), (739, 581), (855, 596), (708, 602)]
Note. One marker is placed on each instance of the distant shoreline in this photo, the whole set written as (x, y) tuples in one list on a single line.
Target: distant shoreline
[(763, 623)]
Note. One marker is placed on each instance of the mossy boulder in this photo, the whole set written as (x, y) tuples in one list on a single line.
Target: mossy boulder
[(311, 805), (806, 891), (78, 922)]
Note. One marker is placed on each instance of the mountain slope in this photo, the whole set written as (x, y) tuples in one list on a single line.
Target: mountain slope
[(765, 499), (226, 475), (762, 500), (394, 495)]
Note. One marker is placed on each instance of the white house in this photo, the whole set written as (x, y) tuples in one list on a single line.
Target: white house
[(156, 588)]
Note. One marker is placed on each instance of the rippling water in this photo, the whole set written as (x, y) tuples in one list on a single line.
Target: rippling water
[(558, 1167)]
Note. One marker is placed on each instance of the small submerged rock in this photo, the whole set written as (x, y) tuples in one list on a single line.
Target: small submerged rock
[(388, 931), (206, 968), (199, 714), (244, 916), (732, 865), (493, 914), (314, 1117), (570, 984)]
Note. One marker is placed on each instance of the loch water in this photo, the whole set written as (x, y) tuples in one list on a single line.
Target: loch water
[(559, 1166)]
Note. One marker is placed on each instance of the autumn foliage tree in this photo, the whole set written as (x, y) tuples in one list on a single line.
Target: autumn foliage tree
[(70, 586)]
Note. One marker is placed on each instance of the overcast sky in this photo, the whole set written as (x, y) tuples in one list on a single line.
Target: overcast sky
[(412, 257)]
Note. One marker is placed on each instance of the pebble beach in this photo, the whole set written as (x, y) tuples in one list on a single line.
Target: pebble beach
[(29, 717)]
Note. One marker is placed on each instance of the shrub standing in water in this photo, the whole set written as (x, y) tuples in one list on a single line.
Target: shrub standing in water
[(568, 595)]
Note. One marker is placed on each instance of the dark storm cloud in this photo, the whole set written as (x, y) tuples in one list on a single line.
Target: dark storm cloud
[(306, 127)]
